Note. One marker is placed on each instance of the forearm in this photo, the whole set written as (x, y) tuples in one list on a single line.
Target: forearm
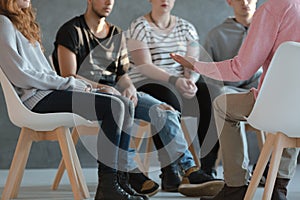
[(153, 72)]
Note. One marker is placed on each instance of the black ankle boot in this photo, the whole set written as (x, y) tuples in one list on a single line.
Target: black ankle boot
[(280, 189), (170, 179), (123, 178), (109, 188)]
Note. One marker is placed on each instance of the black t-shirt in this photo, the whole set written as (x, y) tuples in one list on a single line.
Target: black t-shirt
[(97, 59)]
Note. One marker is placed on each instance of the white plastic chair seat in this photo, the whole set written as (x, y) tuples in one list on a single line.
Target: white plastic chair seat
[(38, 127), (276, 111)]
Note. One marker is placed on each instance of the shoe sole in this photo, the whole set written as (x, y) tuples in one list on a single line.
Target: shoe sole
[(174, 189), (152, 193), (206, 189)]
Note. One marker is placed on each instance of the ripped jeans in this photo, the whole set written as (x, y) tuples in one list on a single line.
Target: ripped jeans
[(166, 124)]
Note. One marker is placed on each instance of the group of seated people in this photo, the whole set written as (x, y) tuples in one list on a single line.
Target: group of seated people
[(149, 72)]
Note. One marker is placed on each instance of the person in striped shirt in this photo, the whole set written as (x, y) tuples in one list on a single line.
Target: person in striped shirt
[(151, 39)]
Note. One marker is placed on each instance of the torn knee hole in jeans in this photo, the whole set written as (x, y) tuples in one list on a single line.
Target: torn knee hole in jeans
[(162, 116), (165, 110)]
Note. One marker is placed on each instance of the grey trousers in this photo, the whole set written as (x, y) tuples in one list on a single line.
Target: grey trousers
[(229, 110)]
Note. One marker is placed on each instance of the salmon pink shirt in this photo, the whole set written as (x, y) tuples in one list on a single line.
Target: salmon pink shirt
[(275, 22)]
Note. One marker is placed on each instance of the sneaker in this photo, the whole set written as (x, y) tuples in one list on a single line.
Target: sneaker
[(229, 193), (142, 184), (196, 183)]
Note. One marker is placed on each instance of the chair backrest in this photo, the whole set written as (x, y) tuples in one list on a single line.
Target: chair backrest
[(21, 116), (277, 107)]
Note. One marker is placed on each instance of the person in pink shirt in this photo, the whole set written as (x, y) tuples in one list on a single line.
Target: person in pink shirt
[(275, 22)]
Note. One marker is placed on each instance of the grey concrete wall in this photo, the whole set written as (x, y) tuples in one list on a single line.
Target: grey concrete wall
[(204, 14)]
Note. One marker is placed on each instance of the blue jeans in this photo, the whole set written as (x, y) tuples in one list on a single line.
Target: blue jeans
[(166, 124)]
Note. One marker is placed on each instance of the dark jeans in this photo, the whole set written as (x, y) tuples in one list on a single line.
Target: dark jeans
[(114, 112), (200, 107)]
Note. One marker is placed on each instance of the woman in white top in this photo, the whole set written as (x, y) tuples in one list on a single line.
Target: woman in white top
[(151, 39)]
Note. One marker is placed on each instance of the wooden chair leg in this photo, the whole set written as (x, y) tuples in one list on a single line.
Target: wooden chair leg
[(281, 142), (66, 145), (18, 164), (62, 167), (190, 142), (274, 145), (261, 165), (81, 180)]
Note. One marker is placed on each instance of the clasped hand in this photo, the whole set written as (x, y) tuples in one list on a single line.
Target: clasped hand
[(186, 87)]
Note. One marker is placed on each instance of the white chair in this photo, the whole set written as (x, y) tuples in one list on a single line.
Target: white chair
[(276, 111), (39, 127)]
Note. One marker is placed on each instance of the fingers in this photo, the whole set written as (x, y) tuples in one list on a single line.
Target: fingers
[(176, 57)]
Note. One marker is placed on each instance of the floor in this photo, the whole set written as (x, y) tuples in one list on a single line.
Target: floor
[(36, 186)]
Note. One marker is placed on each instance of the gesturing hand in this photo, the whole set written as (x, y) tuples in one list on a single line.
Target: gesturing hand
[(185, 61)]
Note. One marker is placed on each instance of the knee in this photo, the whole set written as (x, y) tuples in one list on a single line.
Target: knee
[(165, 111), (219, 104), (163, 115)]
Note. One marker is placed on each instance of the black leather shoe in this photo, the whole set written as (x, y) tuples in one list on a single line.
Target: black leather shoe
[(196, 183), (170, 179), (211, 172), (142, 184), (123, 178), (229, 193), (109, 188)]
